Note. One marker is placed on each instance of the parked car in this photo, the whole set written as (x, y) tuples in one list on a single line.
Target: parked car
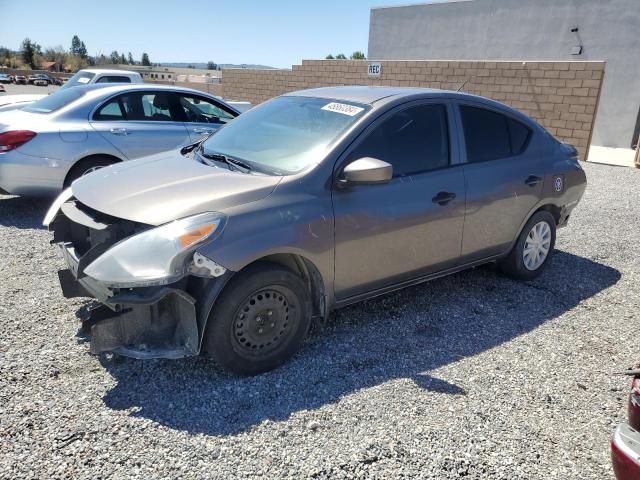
[(48, 144), (308, 202), (625, 444), (32, 78), (4, 78), (43, 80), (20, 80)]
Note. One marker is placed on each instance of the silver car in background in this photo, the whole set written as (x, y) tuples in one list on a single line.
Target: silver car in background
[(50, 143)]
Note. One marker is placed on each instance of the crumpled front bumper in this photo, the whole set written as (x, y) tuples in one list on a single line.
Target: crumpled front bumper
[(148, 322)]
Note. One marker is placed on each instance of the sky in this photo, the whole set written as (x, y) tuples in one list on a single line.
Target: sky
[(277, 33)]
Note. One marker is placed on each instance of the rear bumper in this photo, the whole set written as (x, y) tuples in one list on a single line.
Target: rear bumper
[(625, 453), (22, 174)]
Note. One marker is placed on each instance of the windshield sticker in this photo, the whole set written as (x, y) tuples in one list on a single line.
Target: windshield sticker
[(343, 108), (83, 80)]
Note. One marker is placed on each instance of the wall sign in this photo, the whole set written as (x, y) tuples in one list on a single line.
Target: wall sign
[(375, 69)]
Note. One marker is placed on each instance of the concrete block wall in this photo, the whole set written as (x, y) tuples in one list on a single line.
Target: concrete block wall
[(562, 96)]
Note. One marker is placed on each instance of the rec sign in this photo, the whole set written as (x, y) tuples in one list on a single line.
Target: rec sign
[(375, 69)]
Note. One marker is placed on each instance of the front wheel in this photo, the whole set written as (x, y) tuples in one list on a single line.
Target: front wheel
[(533, 249), (260, 319)]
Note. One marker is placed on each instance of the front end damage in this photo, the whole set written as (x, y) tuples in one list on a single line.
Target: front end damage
[(155, 321)]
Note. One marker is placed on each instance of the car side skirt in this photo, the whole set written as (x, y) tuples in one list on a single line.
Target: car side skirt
[(414, 281)]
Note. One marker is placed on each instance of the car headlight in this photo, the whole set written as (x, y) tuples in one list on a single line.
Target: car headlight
[(156, 256), (55, 206)]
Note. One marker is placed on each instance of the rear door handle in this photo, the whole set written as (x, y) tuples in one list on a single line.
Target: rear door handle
[(205, 131), (532, 180), (119, 131), (442, 198)]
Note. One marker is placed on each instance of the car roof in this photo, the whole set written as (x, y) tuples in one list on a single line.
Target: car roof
[(365, 94), (109, 71), (109, 88), (98, 91), (373, 94)]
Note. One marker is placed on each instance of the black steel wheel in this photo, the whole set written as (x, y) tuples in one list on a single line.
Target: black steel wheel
[(260, 319)]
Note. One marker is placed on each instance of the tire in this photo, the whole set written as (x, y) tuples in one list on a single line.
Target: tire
[(87, 165), (539, 230), (260, 319)]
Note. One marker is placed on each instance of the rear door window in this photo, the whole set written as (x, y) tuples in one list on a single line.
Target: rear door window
[(490, 135)]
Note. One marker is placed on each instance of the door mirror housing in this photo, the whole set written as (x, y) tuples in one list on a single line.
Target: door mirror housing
[(367, 170)]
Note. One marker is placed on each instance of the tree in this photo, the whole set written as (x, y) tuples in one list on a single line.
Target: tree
[(82, 51), (145, 60), (130, 59), (329, 57), (55, 54), (114, 57), (341, 56), (76, 44), (358, 55), (123, 60), (191, 66), (212, 65), (28, 52)]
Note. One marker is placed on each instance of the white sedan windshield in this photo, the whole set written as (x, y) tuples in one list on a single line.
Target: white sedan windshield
[(286, 134)]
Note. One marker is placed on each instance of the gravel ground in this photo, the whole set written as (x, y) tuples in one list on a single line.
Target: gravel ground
[(473, 375)]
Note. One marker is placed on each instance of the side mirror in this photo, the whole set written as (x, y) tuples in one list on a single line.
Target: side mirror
[(367, 170)]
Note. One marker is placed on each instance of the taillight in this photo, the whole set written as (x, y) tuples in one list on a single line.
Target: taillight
[(14, 138), (634, 404)]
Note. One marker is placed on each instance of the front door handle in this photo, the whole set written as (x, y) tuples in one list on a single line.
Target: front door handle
[(204, 131), (442, 198), (532, 180), (119, 131)]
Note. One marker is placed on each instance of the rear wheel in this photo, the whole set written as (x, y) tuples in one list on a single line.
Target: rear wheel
[(86, 166), (260, 319), (533, 249)]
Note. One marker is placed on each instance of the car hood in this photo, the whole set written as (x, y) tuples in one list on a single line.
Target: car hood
[(167, 186)]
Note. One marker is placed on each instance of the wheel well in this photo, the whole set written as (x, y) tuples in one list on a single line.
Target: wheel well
[(90, 157), (552, 209), (308, 272)]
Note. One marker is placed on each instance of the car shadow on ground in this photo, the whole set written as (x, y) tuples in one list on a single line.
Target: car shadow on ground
[(403, 335), (23, 212)]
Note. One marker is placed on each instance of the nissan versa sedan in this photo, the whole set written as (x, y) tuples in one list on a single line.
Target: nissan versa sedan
[(309, 202), (51, 142)]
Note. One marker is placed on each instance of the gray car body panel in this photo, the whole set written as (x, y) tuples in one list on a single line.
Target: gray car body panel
[(360, 243), (68, 135)]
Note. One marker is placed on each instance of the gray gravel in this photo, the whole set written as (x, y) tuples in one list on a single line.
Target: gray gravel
[(474, 375)]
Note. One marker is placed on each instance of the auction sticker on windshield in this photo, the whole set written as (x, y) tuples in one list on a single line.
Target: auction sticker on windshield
[(343, 108)]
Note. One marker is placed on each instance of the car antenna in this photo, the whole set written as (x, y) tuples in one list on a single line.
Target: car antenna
[(464, 83)]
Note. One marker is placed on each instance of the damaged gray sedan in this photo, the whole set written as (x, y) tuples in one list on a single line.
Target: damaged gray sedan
[(311, 201)]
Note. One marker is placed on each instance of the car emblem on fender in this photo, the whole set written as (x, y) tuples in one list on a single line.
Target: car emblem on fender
[(558, 184)]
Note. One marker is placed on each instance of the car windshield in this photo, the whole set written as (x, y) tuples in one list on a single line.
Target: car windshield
[(55, 101), (80, 78), (285, 135)]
